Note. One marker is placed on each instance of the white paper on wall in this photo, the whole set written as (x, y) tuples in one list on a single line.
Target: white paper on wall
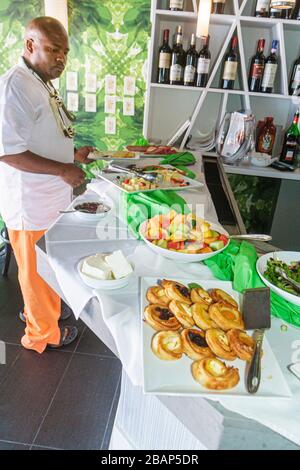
[(110, 125), (91, 82), (90, 103), (128, 106), (110, 104), (110, 84), (72, 101), (72, 81), (129, 86)]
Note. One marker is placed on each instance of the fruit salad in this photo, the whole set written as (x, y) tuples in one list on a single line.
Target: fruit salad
[(183, 233)]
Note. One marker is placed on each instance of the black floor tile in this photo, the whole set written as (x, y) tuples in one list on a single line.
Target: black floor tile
[(79, 413), (91, 344), (11, 353), (13, 446), (111, 419), (43, 448), (26, 392)]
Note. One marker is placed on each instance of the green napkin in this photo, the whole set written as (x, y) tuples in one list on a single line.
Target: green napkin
[(237, 263), (138, 207), (181, 158), (91, 170)]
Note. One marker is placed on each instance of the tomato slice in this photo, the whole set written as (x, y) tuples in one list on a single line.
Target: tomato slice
[(223, 238)]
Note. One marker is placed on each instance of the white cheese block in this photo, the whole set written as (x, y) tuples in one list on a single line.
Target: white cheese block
[(118, 264), (96, 267)]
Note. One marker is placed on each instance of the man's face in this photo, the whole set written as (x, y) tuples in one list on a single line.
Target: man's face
[(48, 54)]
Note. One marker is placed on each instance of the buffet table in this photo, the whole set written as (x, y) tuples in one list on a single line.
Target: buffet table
[(142, 420)]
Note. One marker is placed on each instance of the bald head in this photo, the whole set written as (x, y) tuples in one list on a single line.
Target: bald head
[(46, 47)]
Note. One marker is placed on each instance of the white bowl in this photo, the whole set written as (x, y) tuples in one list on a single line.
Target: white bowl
[(261, 159), (183, 257), (287, 257), (107, 284), (90, 198)]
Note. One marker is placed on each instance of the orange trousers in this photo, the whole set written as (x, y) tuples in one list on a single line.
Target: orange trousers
[(41, 303)]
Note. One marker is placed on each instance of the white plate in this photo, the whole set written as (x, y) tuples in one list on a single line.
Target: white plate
[(183, 257), (103, 284), (287, 257), (175, 377), (92, 198)]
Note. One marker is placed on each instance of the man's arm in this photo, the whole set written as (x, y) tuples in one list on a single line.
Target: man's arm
[(32, 163)]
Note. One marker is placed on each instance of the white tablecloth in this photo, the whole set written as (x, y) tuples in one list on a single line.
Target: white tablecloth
[(68, 241)]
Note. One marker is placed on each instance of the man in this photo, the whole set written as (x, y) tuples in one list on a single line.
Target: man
[(37, 170)]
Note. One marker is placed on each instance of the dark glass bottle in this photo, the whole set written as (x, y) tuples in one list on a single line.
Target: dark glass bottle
[(274, 13), (271, 64), (286, 13), (262, 8), (177, 60), (230, 66), (218, 6), (176, 5), (294, 86), (291, 141), (296, 12), (266, 137), (191, 64), (164, 61), (203, 63), (257, 67)]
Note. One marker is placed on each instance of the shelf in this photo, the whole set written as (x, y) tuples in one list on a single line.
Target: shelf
[(189, 16), (195, 88), (268, 22), (273, 95)]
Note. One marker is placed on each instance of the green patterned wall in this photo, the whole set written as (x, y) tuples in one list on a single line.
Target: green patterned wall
[(107, 37)]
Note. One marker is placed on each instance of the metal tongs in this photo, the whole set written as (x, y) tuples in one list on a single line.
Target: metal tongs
[(151, 176), (292, 282)]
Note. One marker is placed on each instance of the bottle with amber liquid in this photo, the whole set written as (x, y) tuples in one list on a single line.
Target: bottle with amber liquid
[(257, 67), (266, 137), (218, 6), (291, 141)]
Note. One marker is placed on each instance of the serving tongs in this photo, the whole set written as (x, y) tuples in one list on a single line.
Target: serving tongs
[(292, 282), (149, 176)]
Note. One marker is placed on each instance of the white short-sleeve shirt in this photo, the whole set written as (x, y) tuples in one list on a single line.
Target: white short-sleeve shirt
[(30, 201)]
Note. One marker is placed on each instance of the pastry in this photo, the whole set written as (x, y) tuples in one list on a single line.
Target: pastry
[(213, 374), (226, 316), (194, 344), (167, 345), (219, 295), (199, 295), (182, 312), (176, 291), (161, 318), (241, 343), (219, 344), (157, 295), (201, 317)]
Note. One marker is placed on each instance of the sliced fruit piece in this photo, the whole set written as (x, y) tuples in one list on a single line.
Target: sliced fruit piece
[(172, 245), (223, 238), (210, 240), (207, 249), (162, 243), (217, 245)]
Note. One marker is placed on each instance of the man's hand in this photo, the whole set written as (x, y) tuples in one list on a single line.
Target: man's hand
[(82, 154), (72, 175)]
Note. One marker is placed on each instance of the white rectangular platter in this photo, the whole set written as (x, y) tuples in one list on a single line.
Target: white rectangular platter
[(193, 184), (175, 377)]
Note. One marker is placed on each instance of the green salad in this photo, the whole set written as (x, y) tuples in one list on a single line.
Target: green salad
[(292, 270)]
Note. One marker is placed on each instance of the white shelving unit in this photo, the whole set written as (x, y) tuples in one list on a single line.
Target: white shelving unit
[(167, 107)]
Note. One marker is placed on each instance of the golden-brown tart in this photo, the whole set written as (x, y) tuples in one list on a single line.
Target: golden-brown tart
[(226, 316), (176, 291), (199, 295), (241, 343), (213, 374), (218, 295), (194, 344), (219, 344), (201, 317), (157, 295), (167, 345), (182, 312), (161, 318)]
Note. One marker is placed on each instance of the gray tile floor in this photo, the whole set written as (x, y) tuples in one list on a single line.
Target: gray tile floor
[(64, 399), (67, 399)]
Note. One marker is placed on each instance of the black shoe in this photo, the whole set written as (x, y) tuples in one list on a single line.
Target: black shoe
[(68, 335), (66, 312)]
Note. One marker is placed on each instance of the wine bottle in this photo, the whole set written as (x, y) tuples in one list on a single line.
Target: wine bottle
[(274, 13), (286, 13), (176, 5), (267, 85), (262, 8), (165, 53), (203, 63), (218, 6), (296, 12), (230, 66), (257, 67), (266, 137), (191, 63), (177, 60), (294, 86), (291, 141)]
